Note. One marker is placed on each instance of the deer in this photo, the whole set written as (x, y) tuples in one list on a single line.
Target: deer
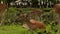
[(34, 24), (3, 7), (57, 11)]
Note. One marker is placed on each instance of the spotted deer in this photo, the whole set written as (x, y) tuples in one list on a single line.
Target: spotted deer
[(34, 25), (2, 12)]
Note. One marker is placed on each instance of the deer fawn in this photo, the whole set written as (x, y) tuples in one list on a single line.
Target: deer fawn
[(33, 25)]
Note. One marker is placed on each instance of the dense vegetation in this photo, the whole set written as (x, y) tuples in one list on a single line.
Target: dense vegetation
[(14, 18), (48, 17)]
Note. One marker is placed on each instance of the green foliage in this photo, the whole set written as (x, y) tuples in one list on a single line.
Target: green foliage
[(12, 29), (10, 15), (17, 29), (48, 17)]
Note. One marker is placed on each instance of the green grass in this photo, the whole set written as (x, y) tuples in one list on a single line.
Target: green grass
[(17, 29), (13, 29)]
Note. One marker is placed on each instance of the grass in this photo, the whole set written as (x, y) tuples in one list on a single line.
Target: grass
[(13, 29), (17, 29)]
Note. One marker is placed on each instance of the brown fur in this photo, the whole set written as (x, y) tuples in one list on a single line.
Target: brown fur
[(35, 25), (2, 13), (57, 8)]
